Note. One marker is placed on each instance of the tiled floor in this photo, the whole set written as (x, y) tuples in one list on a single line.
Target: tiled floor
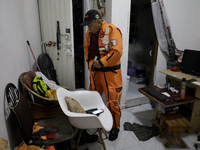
[(133, 92), (133, 96), (127, 139), (141, 114)]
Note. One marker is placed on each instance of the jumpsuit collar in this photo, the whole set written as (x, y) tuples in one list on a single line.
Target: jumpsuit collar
[(104, 25)]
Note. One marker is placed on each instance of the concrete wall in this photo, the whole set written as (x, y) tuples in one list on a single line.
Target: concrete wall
[(19, 23), (121, 19), (184, 21)]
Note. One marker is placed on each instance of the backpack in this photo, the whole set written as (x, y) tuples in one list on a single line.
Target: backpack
[(39, 86), (47, 68)]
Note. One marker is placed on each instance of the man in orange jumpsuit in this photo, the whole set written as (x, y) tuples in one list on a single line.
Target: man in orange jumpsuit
[(103, 49)]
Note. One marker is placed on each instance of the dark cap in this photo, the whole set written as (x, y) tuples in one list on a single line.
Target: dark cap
[(89, 16)]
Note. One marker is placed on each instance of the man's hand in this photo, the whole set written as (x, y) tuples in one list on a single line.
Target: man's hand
[(97, 64)]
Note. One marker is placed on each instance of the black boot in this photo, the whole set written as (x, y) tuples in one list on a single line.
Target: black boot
[(113, 134)]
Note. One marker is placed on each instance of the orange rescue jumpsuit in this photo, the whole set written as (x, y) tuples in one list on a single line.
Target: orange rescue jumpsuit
[(108, 79)]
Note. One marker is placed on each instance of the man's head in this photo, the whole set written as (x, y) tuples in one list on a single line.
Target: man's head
[(93, 20)]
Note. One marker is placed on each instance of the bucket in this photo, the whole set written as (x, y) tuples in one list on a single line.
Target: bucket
[(140, 70), (131, 71)]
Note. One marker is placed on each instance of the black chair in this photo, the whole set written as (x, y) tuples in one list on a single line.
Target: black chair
[(19, 106)]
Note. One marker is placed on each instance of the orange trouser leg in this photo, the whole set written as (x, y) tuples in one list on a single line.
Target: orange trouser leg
[(96, 84), (114, 106), (111, 84)]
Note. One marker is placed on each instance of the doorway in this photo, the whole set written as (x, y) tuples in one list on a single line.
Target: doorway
[(141, 46), (78, 44)]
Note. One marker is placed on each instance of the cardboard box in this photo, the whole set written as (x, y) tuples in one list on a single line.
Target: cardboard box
[(166, 110)]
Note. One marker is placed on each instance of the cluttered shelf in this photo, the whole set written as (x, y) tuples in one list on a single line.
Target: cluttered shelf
[(191, 100), (170, 106), (176, 78), (170, 101)]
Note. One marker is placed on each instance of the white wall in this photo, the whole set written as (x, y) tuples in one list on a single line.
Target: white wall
[(184, 21), (19, 23), (162, 58), (120, 17)]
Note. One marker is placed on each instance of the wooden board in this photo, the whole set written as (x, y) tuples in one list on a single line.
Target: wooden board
[(181, 75), (170, 102), (195, 117), (176, 122)]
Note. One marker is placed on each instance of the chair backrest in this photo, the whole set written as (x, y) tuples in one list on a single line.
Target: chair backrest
[(18, 104), (23, 81), (78, 96), (88, 100), (29, 78)]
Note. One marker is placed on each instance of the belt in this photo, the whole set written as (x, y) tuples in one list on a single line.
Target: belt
[(106, 69)]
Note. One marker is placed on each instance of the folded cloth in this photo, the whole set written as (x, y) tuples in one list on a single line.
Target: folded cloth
[(39, 133), (36, 128), (128, 126), (51, 94), (142, 132), (23, 146), (52, 85), (51, 131), (50, 148)]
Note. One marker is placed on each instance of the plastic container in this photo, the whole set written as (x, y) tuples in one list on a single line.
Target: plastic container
[(153, 105), (168, 83), (183, 88), (131, 71), (140, 70)]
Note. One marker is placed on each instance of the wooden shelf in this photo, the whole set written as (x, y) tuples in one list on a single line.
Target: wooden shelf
[(174, 78), (195, 108)]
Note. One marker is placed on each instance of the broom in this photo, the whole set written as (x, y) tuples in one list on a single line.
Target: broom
[(33, 56)]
